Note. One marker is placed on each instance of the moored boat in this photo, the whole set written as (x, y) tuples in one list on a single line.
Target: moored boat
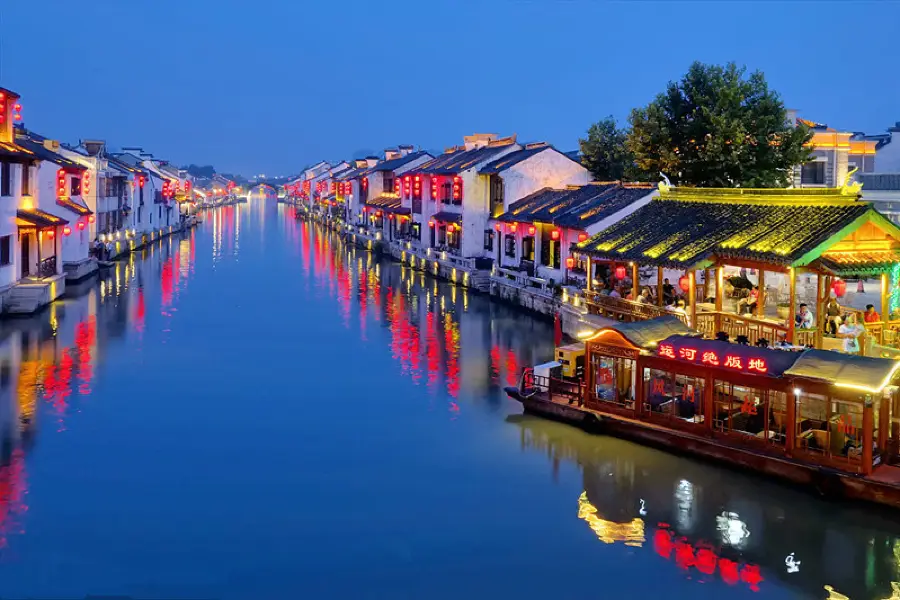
[(825, 420)]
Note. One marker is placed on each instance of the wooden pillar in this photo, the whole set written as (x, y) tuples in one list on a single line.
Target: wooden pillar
[(868, 427), (692, 295), (792, 274), (659, 281), (884, 422), (590, 274), (635, 284), (885, 299), (761, 301), (720, 291), (791, 424), (820, 318)]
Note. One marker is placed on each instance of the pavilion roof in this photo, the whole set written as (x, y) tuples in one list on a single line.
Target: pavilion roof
[(692, 227)]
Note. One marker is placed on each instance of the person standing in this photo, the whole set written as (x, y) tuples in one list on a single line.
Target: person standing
[(850, 331)]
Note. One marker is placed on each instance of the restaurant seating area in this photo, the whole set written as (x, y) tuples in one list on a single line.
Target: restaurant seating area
[(742, 261)]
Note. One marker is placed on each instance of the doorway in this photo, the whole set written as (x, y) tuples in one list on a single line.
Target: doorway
[(25, 243)]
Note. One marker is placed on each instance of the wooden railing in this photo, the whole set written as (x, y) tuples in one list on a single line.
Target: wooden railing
[(711, 323), (624, 310)]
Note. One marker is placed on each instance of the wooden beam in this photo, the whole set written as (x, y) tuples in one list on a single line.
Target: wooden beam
[(885, 299), (821, 281), (635, 284), (761, 301), (792, 275), (692, 295), (659, 280), (590, 274)]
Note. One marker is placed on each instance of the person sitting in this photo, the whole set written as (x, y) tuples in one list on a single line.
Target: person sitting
[(805, 318), (748, 300), (679, 309), (832, 315), (615, 292), (871, 316), (645, 298)]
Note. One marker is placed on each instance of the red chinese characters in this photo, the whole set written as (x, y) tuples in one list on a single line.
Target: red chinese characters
[(687, 353), (710, 358), (734, 362), (667, 350), (758, 365)]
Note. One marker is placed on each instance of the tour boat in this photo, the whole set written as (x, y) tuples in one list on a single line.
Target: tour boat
[(822, 419)]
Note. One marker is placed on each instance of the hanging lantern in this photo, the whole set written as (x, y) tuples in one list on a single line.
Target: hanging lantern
[(431, 223), (51, 234), (498, 226), (570, 263), (435, 183), (67, 230), (554, 235), (81, 225), (86, 183), (684, 283), (582, 237), (407, 185), (839, 287), (451, 228), (620, 272), (91, 219), (397, 186), (531, 230), (512, 227), (60, 183), (457, 188)]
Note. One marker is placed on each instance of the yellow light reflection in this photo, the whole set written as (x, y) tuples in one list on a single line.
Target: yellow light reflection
[(608, 532)]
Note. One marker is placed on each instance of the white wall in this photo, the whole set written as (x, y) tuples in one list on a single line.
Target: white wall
[(887, 159), (548, 168), (9, 274), (74, 247)]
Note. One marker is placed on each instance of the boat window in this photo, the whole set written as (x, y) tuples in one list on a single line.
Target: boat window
[(830, 427), (751, 412), (812, 420), (673, 395), (613, 379)]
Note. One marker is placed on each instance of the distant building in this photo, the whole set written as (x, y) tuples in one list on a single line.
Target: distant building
[(834, 154)]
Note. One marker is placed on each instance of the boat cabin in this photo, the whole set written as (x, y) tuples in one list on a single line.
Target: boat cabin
[(817, 406)]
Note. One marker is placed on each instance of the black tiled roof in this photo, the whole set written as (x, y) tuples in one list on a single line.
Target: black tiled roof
[(451, 163), (682, 233), (447, 217), (575, 207), (513, 158), (384, 201), (396, 163), (39, 218), (352, 174), (32, 144)]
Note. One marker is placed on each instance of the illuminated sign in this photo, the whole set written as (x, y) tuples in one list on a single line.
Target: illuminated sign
[(714, 358)]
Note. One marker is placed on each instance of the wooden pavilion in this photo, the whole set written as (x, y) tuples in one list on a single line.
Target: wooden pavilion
[(827, 233)]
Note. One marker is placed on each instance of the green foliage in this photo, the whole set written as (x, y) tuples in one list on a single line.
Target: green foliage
[(603, 153), (206, 171), (718, 128)]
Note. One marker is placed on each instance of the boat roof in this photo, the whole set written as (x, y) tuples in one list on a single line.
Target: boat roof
[(646, 334), (743, 358), (863, 373)]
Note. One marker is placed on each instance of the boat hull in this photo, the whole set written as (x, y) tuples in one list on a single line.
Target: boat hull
[(825, 482)]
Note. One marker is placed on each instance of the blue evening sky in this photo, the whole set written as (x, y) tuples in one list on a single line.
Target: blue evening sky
[(271, 85)]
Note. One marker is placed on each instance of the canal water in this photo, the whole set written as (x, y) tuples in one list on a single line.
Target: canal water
[(255, 410)]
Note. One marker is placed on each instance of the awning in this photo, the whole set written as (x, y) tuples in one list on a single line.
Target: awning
[(447, 217), (384, 201), (397, 210), (848, 264), (646, 334), (78, 208), (37, 218), (863, 373)]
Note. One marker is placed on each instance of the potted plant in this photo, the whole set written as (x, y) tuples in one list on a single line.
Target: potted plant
[(784, 310)]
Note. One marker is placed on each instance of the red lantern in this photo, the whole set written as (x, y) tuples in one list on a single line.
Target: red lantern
[(397, 186), (554, 235), (839, 287), (498, 227), (86, 183), (91, 219), (457, 188), (60, 183), (451, 228), (435, 183), (620, 272), (81, 225), (684, 283), (582, 237), (512, 227), (570, 263), (431, 223), (51, 234), (67, 230), (531, 230)]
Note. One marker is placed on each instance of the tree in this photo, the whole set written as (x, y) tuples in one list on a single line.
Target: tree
[(603, 153), (206, 171), (716, 128)]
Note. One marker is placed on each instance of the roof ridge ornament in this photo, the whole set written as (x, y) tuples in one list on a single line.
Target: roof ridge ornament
[(851, 188), (664, 187)]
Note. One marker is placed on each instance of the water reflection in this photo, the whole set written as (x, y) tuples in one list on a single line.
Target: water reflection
[(715, 523)]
